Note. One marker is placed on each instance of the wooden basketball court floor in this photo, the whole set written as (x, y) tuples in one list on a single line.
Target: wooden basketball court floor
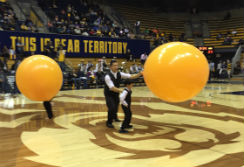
[(188, 134)]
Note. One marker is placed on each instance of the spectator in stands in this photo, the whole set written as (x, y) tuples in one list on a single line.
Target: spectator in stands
[(234, 32), (88, 65), (7, 17), (1, 55), (77, 30), (14, 68), (137, 27), (212, 70), (134, 69), (92, 32), (219, 68), (82, 68), (23, 27), (171, 38), (140, 67), (5, 51), (77, 79), (61, 57), (223, 71), (50, 26), (99, 72), (218, 36), (157, 42), (143, 58), (162, 35), (12, 54), (129, 56), (99, 33), (90, 75), (126, 31), (15, 65), (123, 67), (3, 75), (112, 34), (1, 64), (155, 32), (146, 31), (228, 40), (20, 48), (4, 65), (105, 65), (85, 33), (49, 50), (182, 37), (229, 68), (78, 17), (237, 68), (83, 79), (121, 33), (242, 66), (241, 42), (99, 66), (3, 78)]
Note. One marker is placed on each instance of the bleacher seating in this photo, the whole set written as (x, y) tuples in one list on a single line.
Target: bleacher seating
[(150, 19), (78, 17), (9, 21), (224, 27)]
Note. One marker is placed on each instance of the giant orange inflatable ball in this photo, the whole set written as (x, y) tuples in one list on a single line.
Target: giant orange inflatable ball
[(176, 71), (39, 78)]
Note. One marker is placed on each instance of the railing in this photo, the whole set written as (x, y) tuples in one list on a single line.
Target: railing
[(236, 58)]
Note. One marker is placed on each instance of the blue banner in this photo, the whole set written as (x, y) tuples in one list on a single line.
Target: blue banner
[(75, 46)]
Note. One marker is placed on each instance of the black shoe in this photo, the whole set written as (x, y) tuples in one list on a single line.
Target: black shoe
[(123, 131), (117, 120), (129, 126), (109, 125)]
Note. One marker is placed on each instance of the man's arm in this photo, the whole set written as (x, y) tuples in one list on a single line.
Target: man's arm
[(111, 85), (115, 89), (129, 76), (122, 98), (136, 75)]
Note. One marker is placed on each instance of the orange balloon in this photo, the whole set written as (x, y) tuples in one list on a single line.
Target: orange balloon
[(176, 71), (39, 78)]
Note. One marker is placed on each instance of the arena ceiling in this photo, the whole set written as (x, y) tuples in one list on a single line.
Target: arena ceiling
[(187, 5)]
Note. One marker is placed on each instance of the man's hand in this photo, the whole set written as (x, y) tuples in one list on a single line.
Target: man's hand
[(136, 75), (115, 89)]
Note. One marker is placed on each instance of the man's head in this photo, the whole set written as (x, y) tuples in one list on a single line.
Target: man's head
[(114, 65)]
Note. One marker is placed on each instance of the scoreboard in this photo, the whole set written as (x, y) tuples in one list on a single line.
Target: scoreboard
[(207, 50)]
